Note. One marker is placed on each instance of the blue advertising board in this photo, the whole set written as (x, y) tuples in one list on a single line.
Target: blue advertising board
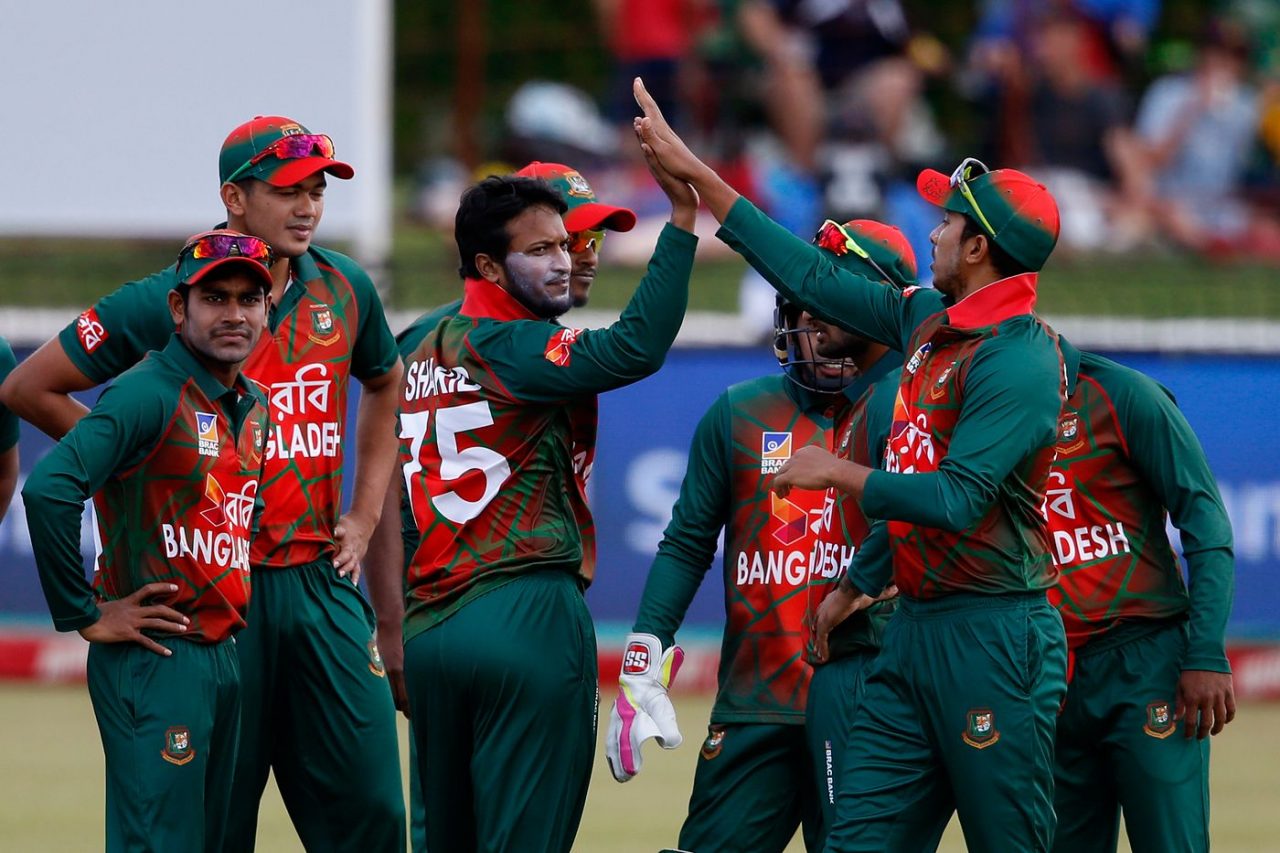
[(645, 429)]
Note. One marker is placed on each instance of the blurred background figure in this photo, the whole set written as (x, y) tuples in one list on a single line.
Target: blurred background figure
[(1182, 168)]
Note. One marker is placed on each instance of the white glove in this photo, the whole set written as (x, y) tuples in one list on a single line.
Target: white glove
[(642, 709)]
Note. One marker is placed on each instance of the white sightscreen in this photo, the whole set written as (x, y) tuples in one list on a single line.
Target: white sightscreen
[(112, 113)]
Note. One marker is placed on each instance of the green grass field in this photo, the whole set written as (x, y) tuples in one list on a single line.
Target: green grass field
[(51, 778)]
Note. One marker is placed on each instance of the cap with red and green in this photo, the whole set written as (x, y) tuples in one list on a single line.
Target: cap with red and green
[(886, 245), (253, 137), (584, 213), (1021, 210), (192, 270)]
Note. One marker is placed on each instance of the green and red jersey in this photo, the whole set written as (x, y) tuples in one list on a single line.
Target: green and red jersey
[(772, 547), (409, 343), (861, 436), (328, 327), (975, 421), (174, 459), (498, 413), (1126, 460)]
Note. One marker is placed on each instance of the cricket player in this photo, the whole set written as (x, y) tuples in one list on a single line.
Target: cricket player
[(500, 654), (309, 664), (1147, 652), (754, 780), (586, 221), (973, 670), (8, 435), (173, 451)]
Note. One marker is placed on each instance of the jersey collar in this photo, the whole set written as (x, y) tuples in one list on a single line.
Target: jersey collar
[(483, 298), (994, 303), (176, 351)]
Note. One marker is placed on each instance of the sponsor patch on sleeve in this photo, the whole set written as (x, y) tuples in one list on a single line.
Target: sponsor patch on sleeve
[(90, 330), (558, 346)]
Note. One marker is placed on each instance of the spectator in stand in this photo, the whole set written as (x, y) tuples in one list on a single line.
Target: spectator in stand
[(1182, 166)]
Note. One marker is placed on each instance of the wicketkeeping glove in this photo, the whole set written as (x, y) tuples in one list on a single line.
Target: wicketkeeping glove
[(642, 709)]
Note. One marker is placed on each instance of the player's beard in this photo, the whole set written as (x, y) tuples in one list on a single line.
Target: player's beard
[(528, 281)]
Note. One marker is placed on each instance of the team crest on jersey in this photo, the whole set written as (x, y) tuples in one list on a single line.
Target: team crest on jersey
[(714, 743), (790, 522), (775, 449), (1069, 437), (376, 665), (558, 345), (90, 331), (980, 728), (918, 358), (207, 433), (177, 745), (1160, 723), (578, 186), (322, 331)]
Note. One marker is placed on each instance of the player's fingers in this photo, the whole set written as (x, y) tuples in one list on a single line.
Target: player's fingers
[(1230, 702), (1219, 714), (161, 625), (1206, 720), (355, 573), (152, 646), (152, 590), (165, 612)]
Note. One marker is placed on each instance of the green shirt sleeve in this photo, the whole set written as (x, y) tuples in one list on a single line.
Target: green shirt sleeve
[(1010, 410), (375, 350), (121, 328), (806, 275), (122, 428), (1164, 448), (688, 545), (597, 359), (8, 420)]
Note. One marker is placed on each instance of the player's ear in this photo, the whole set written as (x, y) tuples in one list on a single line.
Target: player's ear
[(177, 305), (977, 249), (489, 269), (233, 198)]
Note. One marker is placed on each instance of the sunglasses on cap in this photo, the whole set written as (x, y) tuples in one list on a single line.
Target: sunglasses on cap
[(294, 146), (960, 180), (580, 241), (831, 235), (217, 247)]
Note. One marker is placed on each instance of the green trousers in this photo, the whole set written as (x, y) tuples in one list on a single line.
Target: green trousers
[(317, 710), (752, 788), (1119, 748), (960, 710), (503, 696), (835, 694), (169, 727), (417, 808)]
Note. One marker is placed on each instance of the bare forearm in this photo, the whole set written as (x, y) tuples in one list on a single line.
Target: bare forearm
[(384, 561), (376, 444), (8, 477), (849, 477)]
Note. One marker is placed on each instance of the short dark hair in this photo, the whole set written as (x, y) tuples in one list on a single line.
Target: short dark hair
[(480, 228), (1004, 262)]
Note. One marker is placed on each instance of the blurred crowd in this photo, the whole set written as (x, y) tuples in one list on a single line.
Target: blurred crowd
[(1149, 138)]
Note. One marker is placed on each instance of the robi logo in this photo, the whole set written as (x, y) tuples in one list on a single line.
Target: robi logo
[(636, 659)]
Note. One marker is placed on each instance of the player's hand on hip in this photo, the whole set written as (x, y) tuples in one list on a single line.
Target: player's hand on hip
[(124, 620), (839, 605), (352, 538), (1206, 702), (642, 710)]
